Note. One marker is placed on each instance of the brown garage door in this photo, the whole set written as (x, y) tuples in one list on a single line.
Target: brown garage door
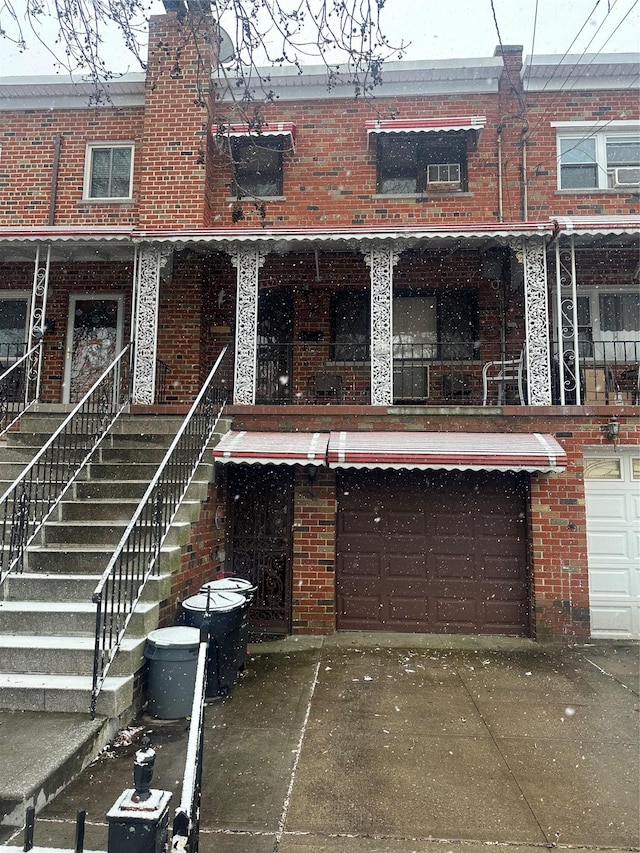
[(434, 551)]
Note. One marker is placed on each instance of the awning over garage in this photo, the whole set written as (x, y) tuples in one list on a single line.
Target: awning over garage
[(272, 448), (450, 451)]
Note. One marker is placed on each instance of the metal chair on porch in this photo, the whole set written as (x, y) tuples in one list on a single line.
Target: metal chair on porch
[(502, 373)]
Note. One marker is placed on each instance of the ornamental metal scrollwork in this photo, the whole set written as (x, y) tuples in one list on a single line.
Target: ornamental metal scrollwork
[(537, 322), (150, 259), (381, 260), (247, 260)]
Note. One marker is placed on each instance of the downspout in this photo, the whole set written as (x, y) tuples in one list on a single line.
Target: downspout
[(525, 195), (500, 212), (55, 168)]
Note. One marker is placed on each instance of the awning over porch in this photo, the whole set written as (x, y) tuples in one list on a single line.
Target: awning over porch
[(272, 448), (451, 451), (268, 128)]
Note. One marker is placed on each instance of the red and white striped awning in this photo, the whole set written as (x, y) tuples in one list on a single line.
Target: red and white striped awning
[(451, 451), (268, 128), (272, 448), (436, 124)]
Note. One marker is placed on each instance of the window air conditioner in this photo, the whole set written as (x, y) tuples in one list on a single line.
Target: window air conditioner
[(443, 175), (626, 176)]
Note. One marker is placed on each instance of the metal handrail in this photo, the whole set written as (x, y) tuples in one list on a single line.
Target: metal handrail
[(186, 823), (137, 555), (18, 389), (33, 496)]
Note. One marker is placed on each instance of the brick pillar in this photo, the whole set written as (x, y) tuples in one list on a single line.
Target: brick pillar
[(314, 553), (176, 120)]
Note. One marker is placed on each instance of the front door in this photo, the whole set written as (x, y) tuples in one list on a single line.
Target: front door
[(94, 338), (261, 512)]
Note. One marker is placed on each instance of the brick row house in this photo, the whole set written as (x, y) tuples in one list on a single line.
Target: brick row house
[(430, 297)]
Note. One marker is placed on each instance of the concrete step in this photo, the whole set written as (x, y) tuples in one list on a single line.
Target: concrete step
[(39, 759), (30, 586), (82, 559), (104, 490), (64, 655), (120, 471), (127, 455), (112, 510), (64, 693), (70, 618), (100, 532)]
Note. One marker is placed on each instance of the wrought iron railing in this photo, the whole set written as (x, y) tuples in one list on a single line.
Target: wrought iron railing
[(137, 555), (162, 370), (310, 372), (31, 498), (607, 371), (18, 382), (186, 823)]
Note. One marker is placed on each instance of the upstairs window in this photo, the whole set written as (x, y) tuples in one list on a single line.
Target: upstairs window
[(109, 171), (257, 165), (598, 160), (414, 163)]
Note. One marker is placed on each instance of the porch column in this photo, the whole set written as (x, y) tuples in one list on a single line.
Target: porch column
[(150, 261), (538, 362), (381, 260), (247, 260), (39, 294)]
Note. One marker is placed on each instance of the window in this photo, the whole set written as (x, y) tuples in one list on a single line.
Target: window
[(410, 163), (609, 325), (598, 160), (109, 171), (257, 165), (14, 315), (442, 325)]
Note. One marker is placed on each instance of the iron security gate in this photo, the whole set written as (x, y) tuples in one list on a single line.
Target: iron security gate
[(261, 514)]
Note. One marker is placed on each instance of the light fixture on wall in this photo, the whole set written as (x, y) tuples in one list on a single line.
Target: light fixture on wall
[(312, 473), (612, 428)]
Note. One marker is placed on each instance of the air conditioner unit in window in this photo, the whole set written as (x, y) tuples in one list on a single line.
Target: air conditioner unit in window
[(626, 176), (443, 176)]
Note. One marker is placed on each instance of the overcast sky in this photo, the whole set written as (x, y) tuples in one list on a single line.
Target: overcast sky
[(447, 29)]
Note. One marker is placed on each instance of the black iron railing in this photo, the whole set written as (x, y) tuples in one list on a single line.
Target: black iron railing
[(18, 382), (606, 373), (162, 370), (31, 498), (137, 555), (310, 372)]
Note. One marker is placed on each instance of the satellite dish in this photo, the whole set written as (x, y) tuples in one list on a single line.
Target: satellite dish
[(226, 51)]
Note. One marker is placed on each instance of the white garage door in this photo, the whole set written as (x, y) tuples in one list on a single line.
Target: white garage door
[(612, 491)]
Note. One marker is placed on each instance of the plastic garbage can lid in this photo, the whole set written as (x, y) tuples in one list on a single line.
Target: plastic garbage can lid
[(219, 602), (229, 585), (177, 637)]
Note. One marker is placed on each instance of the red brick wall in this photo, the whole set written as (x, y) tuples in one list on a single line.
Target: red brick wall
[(313, 610), (27, 139)]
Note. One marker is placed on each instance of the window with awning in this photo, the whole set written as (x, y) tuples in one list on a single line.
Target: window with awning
[(424, 155)]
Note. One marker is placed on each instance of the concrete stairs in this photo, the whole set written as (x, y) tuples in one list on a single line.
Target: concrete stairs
[(47, 618)]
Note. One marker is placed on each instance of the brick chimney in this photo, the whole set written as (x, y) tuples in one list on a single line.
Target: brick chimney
[(177, 116)]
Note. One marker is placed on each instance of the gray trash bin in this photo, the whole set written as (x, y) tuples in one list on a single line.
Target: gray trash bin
[(229, 618), (172, 655), (243, 587)]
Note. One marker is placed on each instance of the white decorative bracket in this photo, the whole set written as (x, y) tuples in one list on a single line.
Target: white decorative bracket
[(247, 260), (381, 259), (150, 261), (538, 361)]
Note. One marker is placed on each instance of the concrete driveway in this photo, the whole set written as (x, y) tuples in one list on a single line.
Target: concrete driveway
[(400, 743)]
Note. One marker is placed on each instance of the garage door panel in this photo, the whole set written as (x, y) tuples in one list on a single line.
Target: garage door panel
[(502, 568), (607, 507), (405, 522), (439, 537), (609, 544), (611, 582), (411, 566), (360, 566), (613, 621)]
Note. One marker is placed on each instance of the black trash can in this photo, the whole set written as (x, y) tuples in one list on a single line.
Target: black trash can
[(243, 587), (229, 612)]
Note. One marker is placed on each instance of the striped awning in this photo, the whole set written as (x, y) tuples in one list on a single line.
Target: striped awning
[(451, 451), (268, 128), (437, 124), (272, 448)]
